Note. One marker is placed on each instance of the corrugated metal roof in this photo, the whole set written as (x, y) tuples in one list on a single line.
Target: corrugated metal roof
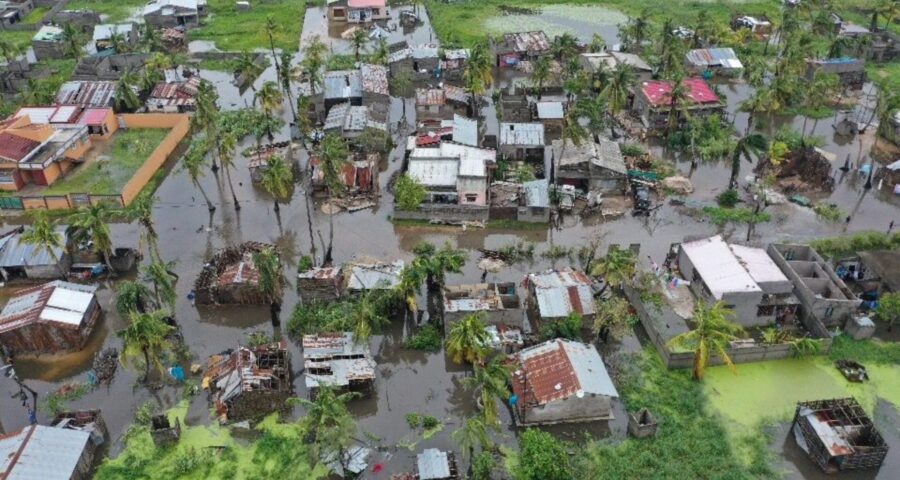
[(563, 291), (465, 130), (718, 267), (15, 253), (343, 84), (531, 42), (529, 134), (157, 5), (429, 172), (537, 193), (39, 452), (657, 91), (433, 464), (367, 276), (56, 301), (559, 369), (714, 57), (374, 78), (14, 148), (89, 94), (550, 110)]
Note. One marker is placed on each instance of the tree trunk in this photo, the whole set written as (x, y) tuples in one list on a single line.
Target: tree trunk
[(327, 260), (237, 204), (146, 364), (209, 205), (278, 215)]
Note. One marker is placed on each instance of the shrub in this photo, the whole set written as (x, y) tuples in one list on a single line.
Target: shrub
[(428, 338), (409, 193), (632, 150), (569, 327), (828, 212), (728, 199), (542, 457)]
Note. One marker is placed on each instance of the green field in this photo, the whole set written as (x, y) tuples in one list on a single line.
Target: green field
[(17, 37), (114, 166), (234, 31), (115, 10), (35, 15)]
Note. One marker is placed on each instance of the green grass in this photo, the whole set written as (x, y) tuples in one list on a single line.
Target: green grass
[(887, 76), (17, 37), (35, 15), (231, 30), (128, 150), (691, 442), (516, 225), (116, 10), (218, 65)]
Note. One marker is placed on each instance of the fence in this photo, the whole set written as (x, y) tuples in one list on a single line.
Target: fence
[(178, 125), (445, 213), (755, 353)]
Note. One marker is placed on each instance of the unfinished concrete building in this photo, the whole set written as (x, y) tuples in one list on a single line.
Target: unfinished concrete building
[(231, 278), (838, 435), (822, 294), (499, 303), (250, 382), (336, 360), (561, 381)]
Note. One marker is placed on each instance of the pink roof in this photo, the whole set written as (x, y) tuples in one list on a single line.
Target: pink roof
[(94, 116), (366, 3), (657, 91)]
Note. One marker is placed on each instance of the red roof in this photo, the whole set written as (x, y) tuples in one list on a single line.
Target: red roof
[(94, 116), (658, 91), (366, 3), (433, 138), (542, 373), (14, 148)]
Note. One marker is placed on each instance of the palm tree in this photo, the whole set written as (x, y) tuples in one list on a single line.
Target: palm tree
[(125, 99), (478, 74), (284, 78), (491, 381), (73, 41), (618, 88), (278, 180), (225, 150), (146, 337), (598, 44), (333, 155), (434, 264), (91, 221), (593, 111), (472, 433), (314, 64), (132, 296), (271, 29), (271, 279), (163, 279), (366, 316), (678, 99), (270, 98), (564, 47), (616, 268), (540, 74), (249, 69), (118, 42), (330, 426), (141, 210), (381, 54), (194, 159), (148, 79), (359, 39), (889, 9), (468, 339), (150, 39), (411, 279), (711, 335), (43, 236), (748, 146)]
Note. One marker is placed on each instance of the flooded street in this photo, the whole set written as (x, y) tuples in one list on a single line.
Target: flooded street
[(408, 380)]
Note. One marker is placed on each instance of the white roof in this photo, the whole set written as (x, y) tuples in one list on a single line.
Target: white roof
[(719, 267), (550, 110), (66, 305), (434, 172), (49, 453), (465, 130), (155, 5), (105, 31), (758, 264), (521, 133)]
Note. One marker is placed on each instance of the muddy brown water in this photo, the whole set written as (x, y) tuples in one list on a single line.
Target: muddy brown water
[(408, 381)]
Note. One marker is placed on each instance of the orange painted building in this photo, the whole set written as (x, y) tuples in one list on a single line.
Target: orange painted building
[(40, 144)]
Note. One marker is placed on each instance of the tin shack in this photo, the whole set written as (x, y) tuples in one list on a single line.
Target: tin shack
[(249, 382), (54, 317)]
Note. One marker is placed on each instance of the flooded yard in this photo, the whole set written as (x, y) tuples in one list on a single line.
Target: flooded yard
[(410, 381)]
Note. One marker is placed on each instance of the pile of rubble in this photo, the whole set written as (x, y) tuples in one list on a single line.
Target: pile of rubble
[(802, 170), (105, 365)]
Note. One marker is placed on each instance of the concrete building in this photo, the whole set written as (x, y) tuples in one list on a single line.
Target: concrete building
[(104, 33), (436, 104), (522, 142), (55, 317), (357, 11), (521, 46), (13, 12), (556, 293), (600, 62), (822, 294), (249, 382), (108, 67), (851, 72), (652, 101), (745, 279), (499, 303), (523, 202), (48, 44), (422, 62), (561, 381), (46, 453), (336, 360), (591, 166), (83, 19), (174, 13), (319, 284), (453, 173)]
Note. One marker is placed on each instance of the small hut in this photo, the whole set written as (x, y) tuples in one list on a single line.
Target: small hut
[(231, 277), (249, 382), (90, 421), (434, 464), (336, 360), (163, 432), (838, 435)]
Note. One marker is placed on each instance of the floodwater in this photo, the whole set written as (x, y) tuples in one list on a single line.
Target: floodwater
[(407, 380), (579, 20)]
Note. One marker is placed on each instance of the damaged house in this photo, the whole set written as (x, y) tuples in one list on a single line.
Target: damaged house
[(436, 104), (20, 260), (46, 453), (87, 93), (231, 277), (174, 95), (523, 202), (744, 278), (174, 13), (838, 435), (366, 274), (434, 464), (557, 293), (319, 284), (350, 121), (48, 43), (422, 62), (851, 72), (551, 114), (498, 301), (358, 174), (364, 86), (601, 63), (521, 46), (822, 294), (335, 360), (14, 11), (561, 381), (249, 382), (104, 33), (591, 166), (55, 317), (522, 142), (652, 101)]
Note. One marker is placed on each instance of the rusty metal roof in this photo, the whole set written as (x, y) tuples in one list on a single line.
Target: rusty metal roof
[(61, 303), (531, 42), (559, 369)]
